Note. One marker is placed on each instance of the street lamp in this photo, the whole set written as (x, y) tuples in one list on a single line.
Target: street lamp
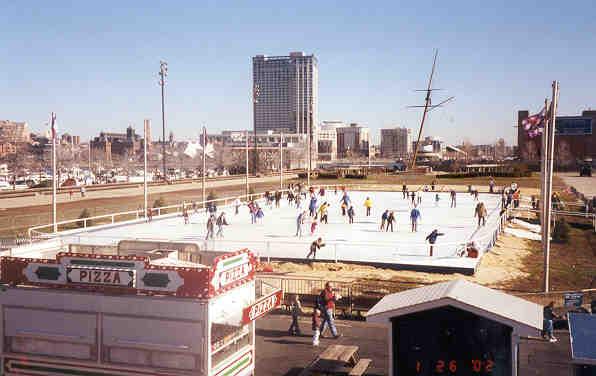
[(163, 73)]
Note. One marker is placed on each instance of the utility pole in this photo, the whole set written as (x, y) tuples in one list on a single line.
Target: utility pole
[(89, 156), (246, 160), (255, 100), (204, 165), (163, 73), (281, 160), (548, 143), (54, 177), (146, 126)]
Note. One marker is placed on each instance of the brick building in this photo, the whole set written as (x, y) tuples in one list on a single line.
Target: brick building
[(574, 140)]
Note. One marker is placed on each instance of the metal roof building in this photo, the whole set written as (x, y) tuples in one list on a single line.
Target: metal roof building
[(465, 302)]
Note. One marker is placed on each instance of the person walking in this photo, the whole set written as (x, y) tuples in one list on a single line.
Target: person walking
[(368, 205), (384, 218), (296, 308), (316, 326), (351, 214), (299, 223), (390, 221), (221, 222), (329, 298), (548, 322), (210, 227), (414, 217), (452, 194), (314, 246), (480, 212), (149, 214), (432, 239)]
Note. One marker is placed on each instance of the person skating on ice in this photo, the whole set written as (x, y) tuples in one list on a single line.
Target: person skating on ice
[(432, 238), (314, 246), (414, 217)]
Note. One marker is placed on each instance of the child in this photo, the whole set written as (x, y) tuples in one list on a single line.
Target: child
[(313, 226), (316, 326), (294, 329)]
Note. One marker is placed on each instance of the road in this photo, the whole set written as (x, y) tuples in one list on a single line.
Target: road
[(585, 185), (46, 199)]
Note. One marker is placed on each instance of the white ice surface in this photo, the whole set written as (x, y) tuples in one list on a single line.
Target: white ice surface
[(362, 241)]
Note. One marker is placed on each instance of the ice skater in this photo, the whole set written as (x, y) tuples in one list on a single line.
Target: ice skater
[(437, 200), (390, 221), (300, 223), (185, 214), (221, 222), (452, 195), (432, 238), (351, 214), (368, 205), (323, 212), (413, 197), (480, 212), (314, 246), (210, 227), (404, 191), (237, 204), (414, 217), (313, 226), (312, 206), (345, 200), (384, 219), (419, 196)]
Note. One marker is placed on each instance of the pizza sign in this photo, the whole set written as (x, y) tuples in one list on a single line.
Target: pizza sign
[(123, 278), (261, 307), (229, 270)]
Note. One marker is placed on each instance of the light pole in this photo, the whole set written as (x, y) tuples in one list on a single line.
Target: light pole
[(281, 160), (163, 73), (255, 99)]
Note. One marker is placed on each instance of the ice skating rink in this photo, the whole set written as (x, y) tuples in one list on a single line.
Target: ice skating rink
[(363, 242)]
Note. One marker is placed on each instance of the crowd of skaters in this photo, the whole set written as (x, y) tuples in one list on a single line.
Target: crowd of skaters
[(314, 207)]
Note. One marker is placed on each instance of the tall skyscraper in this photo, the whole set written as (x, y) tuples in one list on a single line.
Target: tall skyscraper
[(285, 93)]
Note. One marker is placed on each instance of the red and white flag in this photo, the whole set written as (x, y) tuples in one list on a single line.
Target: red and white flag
[(53, 125), (534, 125)]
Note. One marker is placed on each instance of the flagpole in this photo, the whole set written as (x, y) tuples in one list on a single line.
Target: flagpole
[(54, 215), (246, 159), (204, 164), (549, 136), (145, 192)]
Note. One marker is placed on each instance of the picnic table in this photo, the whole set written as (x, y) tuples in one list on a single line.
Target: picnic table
[(337, 360)]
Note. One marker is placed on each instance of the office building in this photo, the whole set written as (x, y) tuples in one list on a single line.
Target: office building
[(574, 140), (396, 142), (327, 139), (352, 141), (14, 131), (285, 93)]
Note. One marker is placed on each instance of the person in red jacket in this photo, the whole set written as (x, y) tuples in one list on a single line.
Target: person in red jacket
[(328, 299)]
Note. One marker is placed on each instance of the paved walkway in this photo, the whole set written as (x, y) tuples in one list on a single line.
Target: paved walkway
[(585, 185), (18, 202)]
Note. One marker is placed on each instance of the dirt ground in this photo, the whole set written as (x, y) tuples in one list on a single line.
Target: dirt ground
[(513, 264)]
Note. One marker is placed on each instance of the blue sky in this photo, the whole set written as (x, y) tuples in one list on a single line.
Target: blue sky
[(95, 63)]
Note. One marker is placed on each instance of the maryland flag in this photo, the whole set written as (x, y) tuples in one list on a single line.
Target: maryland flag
[(534, 125)]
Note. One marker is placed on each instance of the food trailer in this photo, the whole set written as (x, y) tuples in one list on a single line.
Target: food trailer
[(149, 314)]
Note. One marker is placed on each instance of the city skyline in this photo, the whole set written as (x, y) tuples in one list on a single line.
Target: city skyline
[(97, 67)]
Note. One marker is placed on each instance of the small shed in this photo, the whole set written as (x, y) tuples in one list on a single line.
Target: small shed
[(455, 328)]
